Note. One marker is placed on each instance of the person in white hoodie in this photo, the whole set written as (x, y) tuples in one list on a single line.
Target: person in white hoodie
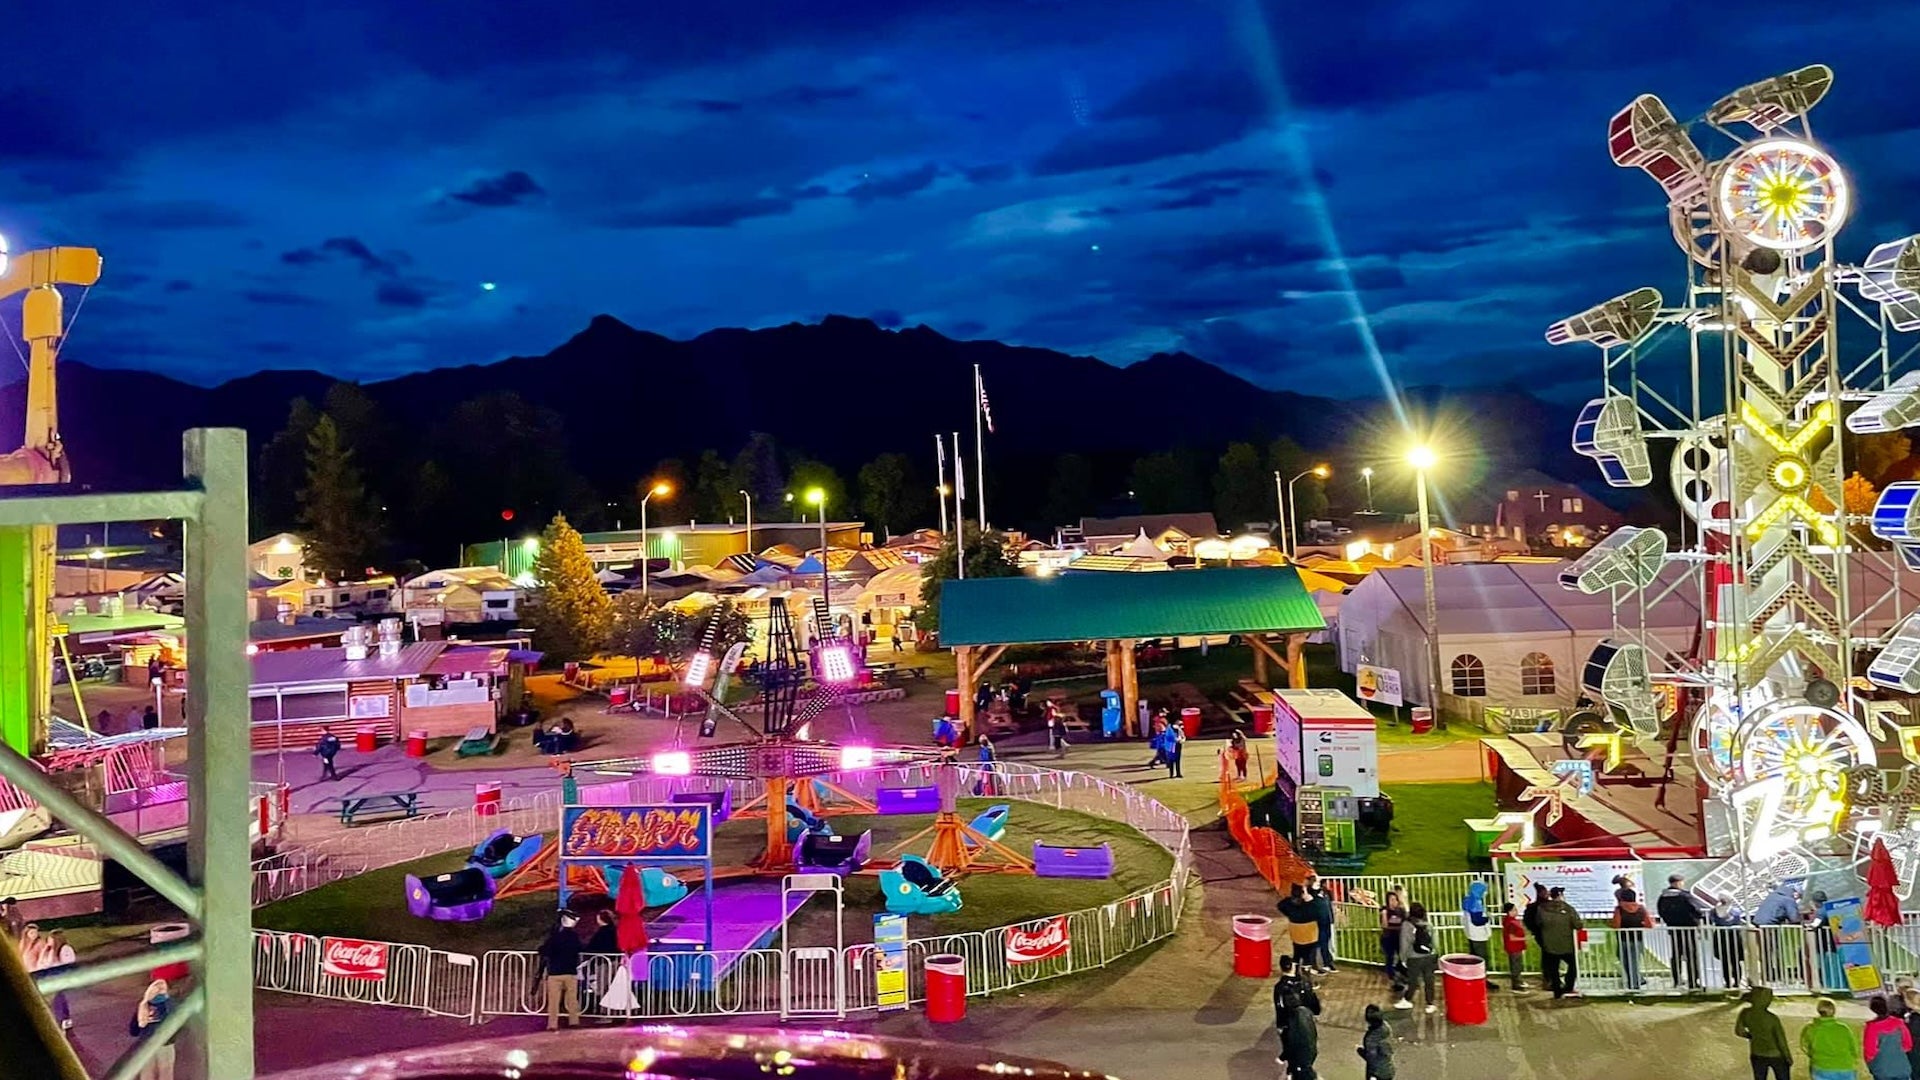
[(1473, 917)]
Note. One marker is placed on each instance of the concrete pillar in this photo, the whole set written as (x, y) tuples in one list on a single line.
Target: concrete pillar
[(963, 675)]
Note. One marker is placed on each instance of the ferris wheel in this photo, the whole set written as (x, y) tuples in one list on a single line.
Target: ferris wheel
[(1805, 751)]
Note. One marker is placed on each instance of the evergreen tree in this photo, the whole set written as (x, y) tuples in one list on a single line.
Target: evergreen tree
[(280, 471), (756, 468), (1242, 488), (1070, 493), (570, 614), (1168, 483), (809, 474), (891, 497), (715, 496), (987, 557), (340, 522)]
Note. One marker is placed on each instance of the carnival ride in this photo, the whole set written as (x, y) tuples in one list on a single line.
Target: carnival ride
[(1778, 699)]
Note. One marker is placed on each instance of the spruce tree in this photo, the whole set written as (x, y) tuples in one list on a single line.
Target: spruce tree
[(571, 615), (340, 524)]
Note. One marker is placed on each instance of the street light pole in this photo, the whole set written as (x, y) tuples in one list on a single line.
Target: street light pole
[(1280, 509), (1367, 475), (1422, 459), (645, 555), (749, 497), (1293, 505), (818, 498)]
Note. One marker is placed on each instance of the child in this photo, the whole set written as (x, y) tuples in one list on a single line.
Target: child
[(1237, 749), (1392, 914), (1513, 937), (1376, 1046)]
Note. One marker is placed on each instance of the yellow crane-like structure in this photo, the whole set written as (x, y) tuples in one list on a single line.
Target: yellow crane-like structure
[(27, 551)]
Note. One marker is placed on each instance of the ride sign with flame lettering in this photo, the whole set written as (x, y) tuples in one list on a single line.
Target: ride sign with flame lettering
[(1044, 939), (669, 831), (351, 958)]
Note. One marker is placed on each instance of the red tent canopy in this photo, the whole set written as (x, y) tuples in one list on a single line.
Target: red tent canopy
[(1883, 881)]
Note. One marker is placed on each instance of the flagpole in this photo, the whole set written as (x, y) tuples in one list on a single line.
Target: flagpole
[(940, 489), (980, 446), (959, 510)]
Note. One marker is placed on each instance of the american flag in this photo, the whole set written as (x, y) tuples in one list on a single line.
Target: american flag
[(986, 409)]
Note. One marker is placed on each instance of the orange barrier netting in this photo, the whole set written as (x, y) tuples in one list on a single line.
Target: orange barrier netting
[(1272, 856)]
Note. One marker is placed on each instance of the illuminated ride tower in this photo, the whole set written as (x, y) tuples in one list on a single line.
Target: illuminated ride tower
[(1776, 697), (27, 551)]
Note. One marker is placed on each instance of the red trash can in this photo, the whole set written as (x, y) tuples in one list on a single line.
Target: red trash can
[(366, 739), (1190, 722), (486, 799), (1422, 720), (1253, 946), (1463, 981), (946, 988), (416, 744), (1263, 719), (953, 703), (162, 934)]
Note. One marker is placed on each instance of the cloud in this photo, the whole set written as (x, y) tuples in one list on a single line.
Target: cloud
[(178, 285), (699, 213), (989, 174), (886, 319), (1177, 113), (173, 214), (895, 186), (401, 295), (278, 298), (352, 249), (507, 189), (713, 106), (810, 95)]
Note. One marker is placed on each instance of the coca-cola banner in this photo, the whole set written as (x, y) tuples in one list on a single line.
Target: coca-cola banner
[(351, 958), (1030, 943)]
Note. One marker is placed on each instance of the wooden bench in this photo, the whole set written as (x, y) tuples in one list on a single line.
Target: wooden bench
[(478, 742), (399, 804)]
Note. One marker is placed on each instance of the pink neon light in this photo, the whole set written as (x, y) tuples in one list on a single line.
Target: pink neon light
[(673, 763), (856, 757)]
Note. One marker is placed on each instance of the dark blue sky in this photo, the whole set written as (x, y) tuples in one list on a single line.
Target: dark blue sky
[(331, 188)]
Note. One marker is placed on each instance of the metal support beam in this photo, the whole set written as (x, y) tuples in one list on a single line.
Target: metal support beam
[(219, 849), (93, 973), (32, 509)]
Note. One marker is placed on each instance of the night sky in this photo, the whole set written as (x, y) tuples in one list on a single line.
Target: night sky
[(337, 188)]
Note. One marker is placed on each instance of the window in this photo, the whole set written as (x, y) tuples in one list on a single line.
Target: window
[(1469, 676), (1572, 506), (1536, 674), (1513, 495)]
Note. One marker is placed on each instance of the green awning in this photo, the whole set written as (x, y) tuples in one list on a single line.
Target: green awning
[(1093, 607)]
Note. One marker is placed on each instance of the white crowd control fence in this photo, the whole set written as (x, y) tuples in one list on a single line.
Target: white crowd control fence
[(296, 869), (803, 981)]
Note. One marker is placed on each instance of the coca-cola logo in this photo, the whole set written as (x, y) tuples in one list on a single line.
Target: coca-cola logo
[(351, 958), (1037, 941)]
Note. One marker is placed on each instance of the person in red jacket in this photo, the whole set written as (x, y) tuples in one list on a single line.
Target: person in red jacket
[(1513, 937)]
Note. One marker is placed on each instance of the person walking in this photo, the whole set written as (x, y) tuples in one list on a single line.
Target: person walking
[(1295, 1004), (984, 785), (325, 749), (1176, 745), (1513, 938), (1729, 941), (1833, 1053), (1531, 917), (1910, 997), (1237, 750), (1417, 952), (1560, 928), (1630, 925), (147, 1016), (1323, 917), (1479, 928), (1683, 913), (1392, 914), (1767, 1048), (1303, 927), (1056, 731), (57, 955), (1376, 1046), (560, 954), (1885, 1043)]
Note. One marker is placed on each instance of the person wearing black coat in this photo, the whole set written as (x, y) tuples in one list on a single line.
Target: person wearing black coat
[(1295, 1004)]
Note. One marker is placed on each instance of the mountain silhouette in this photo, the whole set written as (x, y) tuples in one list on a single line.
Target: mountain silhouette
[(842, 390)]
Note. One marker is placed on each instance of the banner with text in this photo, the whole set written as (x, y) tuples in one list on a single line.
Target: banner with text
[(1589, 885), (1044, 939), (351, 958), (671, 831), (890, 962), (1381, 684)]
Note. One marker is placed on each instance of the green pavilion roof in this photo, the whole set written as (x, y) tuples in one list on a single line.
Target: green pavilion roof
[(1091, 607)]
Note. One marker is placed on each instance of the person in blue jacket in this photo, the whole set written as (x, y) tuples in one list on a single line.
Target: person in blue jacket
[(1478, 926)]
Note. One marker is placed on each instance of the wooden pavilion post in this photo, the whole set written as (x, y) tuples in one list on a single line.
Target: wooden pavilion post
[(1297, 661), (1129, 689), (964, 677), (1259, 662)]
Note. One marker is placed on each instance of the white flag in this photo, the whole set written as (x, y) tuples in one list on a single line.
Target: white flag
[(960, 477), (986, 410)]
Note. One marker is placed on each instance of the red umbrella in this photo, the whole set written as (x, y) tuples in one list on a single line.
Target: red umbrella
[(1883, 906), (630, 928)]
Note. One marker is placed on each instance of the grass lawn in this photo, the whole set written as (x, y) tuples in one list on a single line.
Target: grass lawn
[(1428, 836), (371, 905)]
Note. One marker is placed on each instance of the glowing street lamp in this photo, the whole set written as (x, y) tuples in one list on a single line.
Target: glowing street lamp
[(745, 494), (817, 498), (1422, 459), (1367, 475), (662, 489), (1290, 527)]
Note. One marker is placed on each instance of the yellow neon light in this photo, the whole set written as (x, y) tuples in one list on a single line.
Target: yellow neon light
[(1798, 507), (1608, 739), (1820, 419), (1789, 474)]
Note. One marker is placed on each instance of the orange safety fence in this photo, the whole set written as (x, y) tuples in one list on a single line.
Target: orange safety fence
[(1272, 856)]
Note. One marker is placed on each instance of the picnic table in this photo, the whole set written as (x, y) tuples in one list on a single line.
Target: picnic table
[(478, 741), (401, 804)]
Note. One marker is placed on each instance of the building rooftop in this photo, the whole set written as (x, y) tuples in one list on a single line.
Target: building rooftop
[(1194, 525), (1099, 607), (305, 666)]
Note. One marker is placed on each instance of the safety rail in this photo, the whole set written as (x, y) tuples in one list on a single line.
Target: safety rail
[(49, 869), (757, 982)]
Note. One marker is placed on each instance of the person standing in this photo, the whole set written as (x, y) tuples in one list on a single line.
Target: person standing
[(1531, 917), (149, 718), (11, 920), (57, 955), (1629, 924), (984, 785), (1766, 1037), (147, 1017), (1684, 914), (1417, 952), (1392, 914), (1376, 1046), (1323, 917), (1560, 928), (1885, 1042), (1473, 918), (1513, 938), (1295, 1004), (561, 955), (1176, 745), (1910, 997), (1056, 732), (1729, 941), (1833, 1053), (325, 749), (1303, 927)]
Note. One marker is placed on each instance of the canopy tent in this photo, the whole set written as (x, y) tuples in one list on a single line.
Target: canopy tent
[(1141, 548), (1121, 609), (1118, 564)]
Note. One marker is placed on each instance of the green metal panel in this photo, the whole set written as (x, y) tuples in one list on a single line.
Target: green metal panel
[(16, 646), (1105, 606)]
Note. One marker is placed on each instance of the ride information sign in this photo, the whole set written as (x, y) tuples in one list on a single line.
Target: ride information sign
[(674, 830), (890, 962)]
